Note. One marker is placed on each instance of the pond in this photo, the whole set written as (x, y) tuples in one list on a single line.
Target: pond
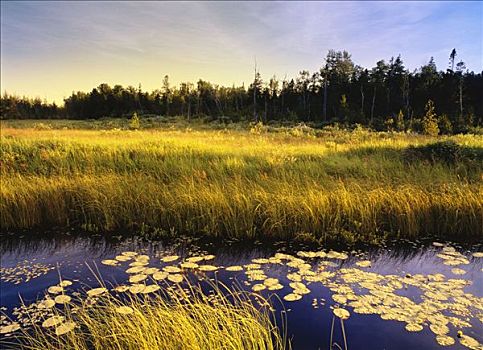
[(403, 295)]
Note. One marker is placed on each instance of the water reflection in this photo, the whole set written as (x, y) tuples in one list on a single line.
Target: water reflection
[(318, 279)]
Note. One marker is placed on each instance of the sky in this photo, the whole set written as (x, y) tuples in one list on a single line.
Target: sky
[(49, 49)]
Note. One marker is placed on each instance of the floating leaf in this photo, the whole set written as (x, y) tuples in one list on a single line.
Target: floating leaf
[(96, 291), (275, 286), (130, 254), (123, 258), (48, 303), (170, 258), (4, 329), (52, 321), (137, 278), (195, 259), (121, 289), (208, 268), (62, 299), (172, 269), (150, 270), (364, 263), (176, 278), (341, 313), (297, 285), (65, 283), (55, 289), (271, 282), (414, 327), (137, 288), (469, 342), (110, 262), (125, 310), (339, 298), (292, 297), (189, 265), (445, 340), (439, 329), (258, 287), (158, 276), (151, 289), (65, 328)]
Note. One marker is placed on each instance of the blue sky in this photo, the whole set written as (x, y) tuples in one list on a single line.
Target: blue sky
[(49, 49)]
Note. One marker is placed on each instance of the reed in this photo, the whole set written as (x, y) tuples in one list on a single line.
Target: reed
[(330, 183), (173, 318)]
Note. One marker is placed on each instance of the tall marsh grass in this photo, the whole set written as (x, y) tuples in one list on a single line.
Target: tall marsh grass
[(354, 185), (187, 319)]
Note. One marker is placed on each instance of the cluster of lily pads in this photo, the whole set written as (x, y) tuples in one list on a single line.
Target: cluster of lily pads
[(443, 301), (24, 272)]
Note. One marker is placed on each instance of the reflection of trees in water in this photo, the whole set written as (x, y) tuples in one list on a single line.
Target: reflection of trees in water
[(49, 243)]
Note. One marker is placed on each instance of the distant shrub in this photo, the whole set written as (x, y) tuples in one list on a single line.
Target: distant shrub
[(302, 129), (400, 121), (389, 124), (430, 121), (134, 122), (258, 128), (476, 130), (42, 126), (445, 124), (444, 151)]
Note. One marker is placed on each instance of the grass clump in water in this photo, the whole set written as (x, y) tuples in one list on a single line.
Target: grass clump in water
[(174, 319)]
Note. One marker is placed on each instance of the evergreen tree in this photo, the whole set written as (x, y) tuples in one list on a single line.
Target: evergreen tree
[(430, 120), (340, 90), (400, 121)]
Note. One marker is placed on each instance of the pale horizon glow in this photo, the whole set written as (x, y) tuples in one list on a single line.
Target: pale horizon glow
[(49, 49)]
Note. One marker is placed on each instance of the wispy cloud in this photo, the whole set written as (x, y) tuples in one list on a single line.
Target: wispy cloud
[(82, 43)]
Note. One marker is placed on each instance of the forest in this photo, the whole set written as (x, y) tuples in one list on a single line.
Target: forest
[(385, 97)]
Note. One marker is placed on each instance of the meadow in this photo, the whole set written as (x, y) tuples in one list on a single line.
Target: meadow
[(168, 177)]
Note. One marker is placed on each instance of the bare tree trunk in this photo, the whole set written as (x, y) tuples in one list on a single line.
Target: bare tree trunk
[(218, 105), (373, 104), (325, 100), (255, 117), (189, 110), (388, 100), (362, 98), (265, 113), (282, 107), (406, 94), (308, 106), (273, 111), (461, 96)]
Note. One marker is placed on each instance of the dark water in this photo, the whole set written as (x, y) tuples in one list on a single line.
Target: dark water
[(78, 259)]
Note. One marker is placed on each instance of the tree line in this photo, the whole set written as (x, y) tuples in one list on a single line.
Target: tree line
[(387, 97)]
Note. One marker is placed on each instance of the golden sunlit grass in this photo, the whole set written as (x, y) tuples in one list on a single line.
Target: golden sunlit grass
[(231, 182), (175, 319)]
